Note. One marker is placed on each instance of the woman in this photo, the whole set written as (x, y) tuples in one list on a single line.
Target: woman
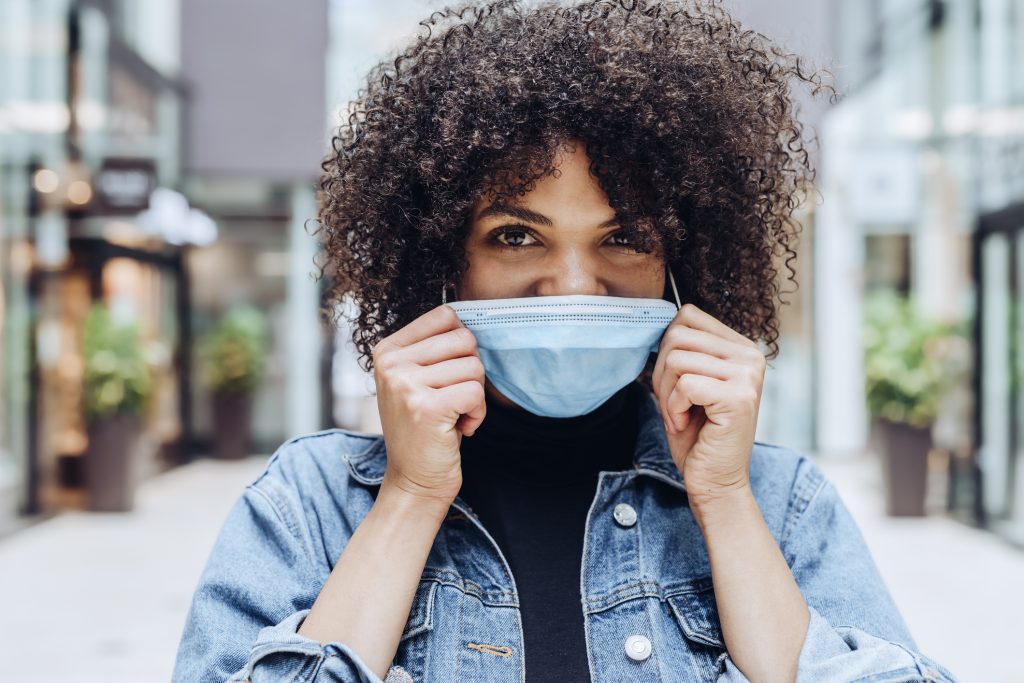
[(567, 486)]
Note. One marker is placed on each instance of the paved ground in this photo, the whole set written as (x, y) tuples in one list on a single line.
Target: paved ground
[(97, 598), (961, 590), (102, 597)]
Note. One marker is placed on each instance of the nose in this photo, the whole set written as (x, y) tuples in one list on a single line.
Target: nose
[(571, 272)]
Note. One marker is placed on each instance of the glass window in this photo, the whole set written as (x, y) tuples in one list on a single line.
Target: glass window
[(996, 317)]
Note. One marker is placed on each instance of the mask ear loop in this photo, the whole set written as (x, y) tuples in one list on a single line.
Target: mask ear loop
[(675, 292), (444, 293)]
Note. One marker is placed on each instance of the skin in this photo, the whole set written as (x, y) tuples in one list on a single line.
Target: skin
[(431, 391), (571, 246)]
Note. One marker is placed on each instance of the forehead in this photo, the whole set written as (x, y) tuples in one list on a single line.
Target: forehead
[(570, 189)]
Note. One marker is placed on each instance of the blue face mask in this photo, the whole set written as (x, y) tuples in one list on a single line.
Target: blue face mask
[(563, 356)]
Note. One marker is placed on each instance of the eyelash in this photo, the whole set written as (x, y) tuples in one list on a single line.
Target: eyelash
[(493, 238)]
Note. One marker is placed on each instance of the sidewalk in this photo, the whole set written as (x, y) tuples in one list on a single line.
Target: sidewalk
[(960, 590), (101, 598)]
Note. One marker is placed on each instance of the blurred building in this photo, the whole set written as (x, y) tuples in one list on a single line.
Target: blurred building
[(132, 135), (90, 111), (256, 132), (924, 193)]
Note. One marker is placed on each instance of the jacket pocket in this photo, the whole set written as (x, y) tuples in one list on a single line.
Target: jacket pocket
[(696, 612), (410, 663), (421, 613)]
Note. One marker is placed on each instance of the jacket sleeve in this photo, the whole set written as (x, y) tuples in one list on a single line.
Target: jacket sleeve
[(257, 587), (855, 631)]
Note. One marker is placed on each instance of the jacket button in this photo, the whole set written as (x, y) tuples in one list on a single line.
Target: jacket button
[(624, 515), (638, 648)]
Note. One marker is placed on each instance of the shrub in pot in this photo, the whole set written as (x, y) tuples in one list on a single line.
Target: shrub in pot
[(235, 356), (117, 383), (907, 375)]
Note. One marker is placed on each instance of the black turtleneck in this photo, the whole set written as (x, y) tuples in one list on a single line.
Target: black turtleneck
[(531, 480)]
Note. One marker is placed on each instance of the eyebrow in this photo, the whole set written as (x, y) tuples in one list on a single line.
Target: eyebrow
[(525, 214)]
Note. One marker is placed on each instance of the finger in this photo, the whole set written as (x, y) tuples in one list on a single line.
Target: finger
[(456, 343), (452, 371), (435, 321), (677, 362), (693, 390), (695, 317), (464, 399), (681, 361), (676, 413), (681, 336)]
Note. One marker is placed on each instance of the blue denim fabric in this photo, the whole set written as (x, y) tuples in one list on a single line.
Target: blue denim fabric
[(287, 530)]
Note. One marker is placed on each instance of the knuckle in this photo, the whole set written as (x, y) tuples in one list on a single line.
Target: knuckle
[(478, 391), (674, 359), (466, 337), (397, 383), (449, 312), (379, 351), (676, 335), (416, 405), (384, 364)]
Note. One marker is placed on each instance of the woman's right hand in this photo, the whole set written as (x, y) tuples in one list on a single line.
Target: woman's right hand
[(430, 392)]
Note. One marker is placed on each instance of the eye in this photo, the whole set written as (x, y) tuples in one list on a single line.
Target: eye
[(632, 243), (515, 236)]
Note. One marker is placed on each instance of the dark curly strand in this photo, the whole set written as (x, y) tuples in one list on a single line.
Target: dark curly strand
[(687, 119)]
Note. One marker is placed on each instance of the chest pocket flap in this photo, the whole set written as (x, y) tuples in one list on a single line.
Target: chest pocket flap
[(421, 613), (697, 613)]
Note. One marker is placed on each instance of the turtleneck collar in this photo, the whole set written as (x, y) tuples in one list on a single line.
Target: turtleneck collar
[(542, 451)]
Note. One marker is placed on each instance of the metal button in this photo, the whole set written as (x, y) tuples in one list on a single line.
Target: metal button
[(624, 514), (638, 648)]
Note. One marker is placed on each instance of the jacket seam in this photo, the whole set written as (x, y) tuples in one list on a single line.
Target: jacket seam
[(280, 512), (806, 489)]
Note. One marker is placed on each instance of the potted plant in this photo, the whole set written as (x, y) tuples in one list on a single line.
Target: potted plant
[(235, 356), (116, 386), (907, 372)]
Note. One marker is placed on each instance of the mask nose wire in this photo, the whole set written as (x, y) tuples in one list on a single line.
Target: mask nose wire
[(671, 279), (675, 292)]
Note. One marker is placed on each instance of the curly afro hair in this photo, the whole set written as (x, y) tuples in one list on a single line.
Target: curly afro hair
[(688, 122)]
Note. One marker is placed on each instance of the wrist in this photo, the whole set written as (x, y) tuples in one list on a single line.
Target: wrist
[(724, 507), (410, 500)]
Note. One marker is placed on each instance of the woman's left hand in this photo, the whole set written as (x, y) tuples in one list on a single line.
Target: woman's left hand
[(708, 381)]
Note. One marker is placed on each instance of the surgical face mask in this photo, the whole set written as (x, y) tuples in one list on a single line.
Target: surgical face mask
[(563, 356)]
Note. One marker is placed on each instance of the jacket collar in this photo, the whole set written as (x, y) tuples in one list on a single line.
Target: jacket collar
[(651, 456)]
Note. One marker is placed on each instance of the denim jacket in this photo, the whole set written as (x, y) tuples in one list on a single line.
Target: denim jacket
[(645, 579)]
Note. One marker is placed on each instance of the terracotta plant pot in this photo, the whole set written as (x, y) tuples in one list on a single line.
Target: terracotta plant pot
[(110, 463), (232, 424), (904, 452)]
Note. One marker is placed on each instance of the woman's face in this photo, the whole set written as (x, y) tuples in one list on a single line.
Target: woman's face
[(560, 238)]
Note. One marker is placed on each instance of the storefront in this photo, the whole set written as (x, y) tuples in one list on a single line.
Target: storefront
[(1000, 379), (144, 286), (924, 159), (89, 126), (33, 128)]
